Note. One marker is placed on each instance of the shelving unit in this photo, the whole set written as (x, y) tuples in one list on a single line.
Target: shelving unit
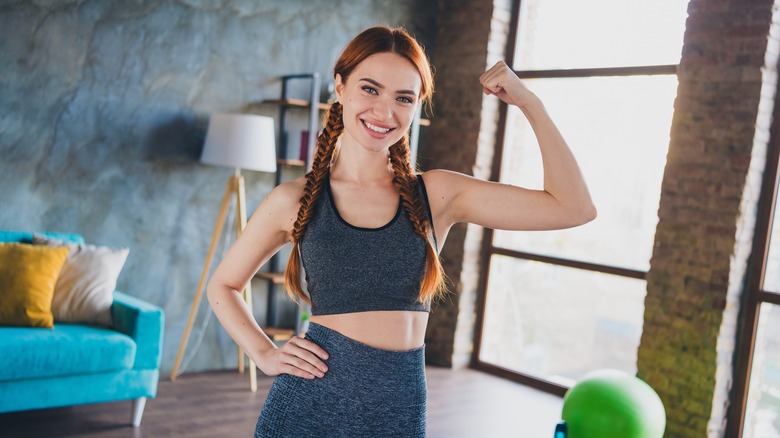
[(275, 275)]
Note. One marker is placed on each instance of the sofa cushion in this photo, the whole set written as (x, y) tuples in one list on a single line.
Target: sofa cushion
[(67, 349), (85, 287), (27, 277)]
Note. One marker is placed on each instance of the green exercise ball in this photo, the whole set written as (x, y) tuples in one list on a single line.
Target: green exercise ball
[(613, 404)]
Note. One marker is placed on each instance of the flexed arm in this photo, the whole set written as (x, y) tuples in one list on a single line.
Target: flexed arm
[(564, 202)]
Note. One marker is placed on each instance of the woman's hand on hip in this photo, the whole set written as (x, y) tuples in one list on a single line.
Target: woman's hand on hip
[(503, 83), (298, 357)]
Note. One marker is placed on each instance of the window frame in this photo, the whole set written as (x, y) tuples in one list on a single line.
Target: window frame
[(489, 249), (754, 295)]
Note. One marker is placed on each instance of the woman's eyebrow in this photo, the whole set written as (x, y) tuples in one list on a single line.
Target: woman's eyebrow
[(378, 85)]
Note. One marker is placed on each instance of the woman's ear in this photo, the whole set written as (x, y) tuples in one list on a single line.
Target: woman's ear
[(339, 87)]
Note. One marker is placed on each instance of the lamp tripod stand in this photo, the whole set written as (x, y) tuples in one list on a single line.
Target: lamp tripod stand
[(235, 187)]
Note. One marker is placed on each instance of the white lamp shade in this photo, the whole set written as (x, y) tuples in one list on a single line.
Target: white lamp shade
[(242, 141)]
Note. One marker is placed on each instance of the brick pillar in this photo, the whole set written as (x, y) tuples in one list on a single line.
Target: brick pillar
[(707, 212), (472, 36)]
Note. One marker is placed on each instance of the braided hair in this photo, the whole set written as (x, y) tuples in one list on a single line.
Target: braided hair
[(326, 144), (369, 42)]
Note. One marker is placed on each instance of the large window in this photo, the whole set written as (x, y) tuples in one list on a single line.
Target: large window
[(561, 303), (756, 397)]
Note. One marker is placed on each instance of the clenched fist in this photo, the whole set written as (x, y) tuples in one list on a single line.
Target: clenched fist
[(502, 82)]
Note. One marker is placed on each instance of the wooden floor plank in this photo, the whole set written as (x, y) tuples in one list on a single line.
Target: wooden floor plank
[(461, 403)]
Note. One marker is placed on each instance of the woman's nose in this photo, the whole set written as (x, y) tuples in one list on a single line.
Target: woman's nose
[(383, 109)]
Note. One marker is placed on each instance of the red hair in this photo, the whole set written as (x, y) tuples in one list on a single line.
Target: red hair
[(370, 42)]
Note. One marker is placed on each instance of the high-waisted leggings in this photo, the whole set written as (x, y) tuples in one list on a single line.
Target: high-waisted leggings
[(366, 392)]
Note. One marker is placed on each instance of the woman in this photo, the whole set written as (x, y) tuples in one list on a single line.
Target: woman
[(365, 232)]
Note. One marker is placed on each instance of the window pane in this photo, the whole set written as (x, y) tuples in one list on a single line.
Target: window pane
[(560, 34), (762, 417), (559, 323), (618, 128), (772, 273)]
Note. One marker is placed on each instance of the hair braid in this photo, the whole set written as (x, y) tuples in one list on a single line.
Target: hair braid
[(405, 181), (326, 144)]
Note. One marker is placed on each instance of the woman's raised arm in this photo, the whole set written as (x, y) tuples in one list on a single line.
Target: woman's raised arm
[(564, 202)]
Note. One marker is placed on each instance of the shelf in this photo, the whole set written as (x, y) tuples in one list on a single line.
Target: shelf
[(278, 334), (276, 277), (290, 162), (299, 103)]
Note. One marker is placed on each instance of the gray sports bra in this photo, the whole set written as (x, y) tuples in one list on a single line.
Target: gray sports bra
[(353, 269)]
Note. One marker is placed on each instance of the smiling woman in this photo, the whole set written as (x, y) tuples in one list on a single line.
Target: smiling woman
[(366, 234)]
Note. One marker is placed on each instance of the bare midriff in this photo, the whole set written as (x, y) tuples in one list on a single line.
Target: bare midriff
[(393, 330)]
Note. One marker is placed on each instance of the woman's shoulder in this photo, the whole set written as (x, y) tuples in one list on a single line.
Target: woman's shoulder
[(286, 196), (290, 189), (443, 180), (434, 173), (438, 175), (280, 208), (446, 186)]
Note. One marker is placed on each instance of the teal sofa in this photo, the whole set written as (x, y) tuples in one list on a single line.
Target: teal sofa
[(74, 364)]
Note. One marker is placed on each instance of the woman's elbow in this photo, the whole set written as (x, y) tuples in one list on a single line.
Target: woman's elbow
[(212, 290), (588, 213), (218, 288), (580, 214)]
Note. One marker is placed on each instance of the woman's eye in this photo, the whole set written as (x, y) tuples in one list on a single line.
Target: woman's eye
[(369, 90), (405, 100)]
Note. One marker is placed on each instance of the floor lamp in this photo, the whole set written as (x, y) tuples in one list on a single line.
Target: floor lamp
[(240, 141)]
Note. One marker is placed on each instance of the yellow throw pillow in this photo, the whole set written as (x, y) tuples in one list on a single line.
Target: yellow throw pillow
[(27, 277)]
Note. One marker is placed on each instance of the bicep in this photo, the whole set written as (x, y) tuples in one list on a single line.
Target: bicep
[(497, 205)]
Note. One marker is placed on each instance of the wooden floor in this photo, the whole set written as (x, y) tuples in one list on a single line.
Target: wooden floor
[(463, 403)]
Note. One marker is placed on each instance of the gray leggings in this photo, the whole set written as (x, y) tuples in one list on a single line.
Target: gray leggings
[(366, 392)]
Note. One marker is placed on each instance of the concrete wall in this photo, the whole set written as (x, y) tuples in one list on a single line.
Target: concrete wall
[(103, 111)]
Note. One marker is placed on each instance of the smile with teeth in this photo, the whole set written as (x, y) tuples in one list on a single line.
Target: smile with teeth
[(376, 128)]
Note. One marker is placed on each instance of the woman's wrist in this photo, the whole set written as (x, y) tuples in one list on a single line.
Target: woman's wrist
[(529, 99), (532, 106), (261, 350)]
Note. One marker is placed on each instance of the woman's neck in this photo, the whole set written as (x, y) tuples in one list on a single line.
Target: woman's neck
[(356, 164)]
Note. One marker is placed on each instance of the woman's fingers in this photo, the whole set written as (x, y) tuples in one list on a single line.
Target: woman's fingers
[(294, 371), (495, 77), (310, 358), (298, 357), (502, 82), (310, 346), (305, 355), (301, 365)]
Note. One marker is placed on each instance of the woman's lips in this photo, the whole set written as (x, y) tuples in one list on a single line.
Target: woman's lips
[(376, 130)]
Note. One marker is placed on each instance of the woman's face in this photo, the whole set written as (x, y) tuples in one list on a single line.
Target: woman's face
[(379, 99)]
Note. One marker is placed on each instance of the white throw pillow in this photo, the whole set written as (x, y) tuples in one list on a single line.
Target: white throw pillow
[(85, 287)]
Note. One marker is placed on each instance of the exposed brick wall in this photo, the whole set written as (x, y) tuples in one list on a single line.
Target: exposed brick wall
[(707, 213), (472, 36)]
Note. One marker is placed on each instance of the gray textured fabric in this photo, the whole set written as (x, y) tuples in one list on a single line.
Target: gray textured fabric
[(352, 269), (366, 392)]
